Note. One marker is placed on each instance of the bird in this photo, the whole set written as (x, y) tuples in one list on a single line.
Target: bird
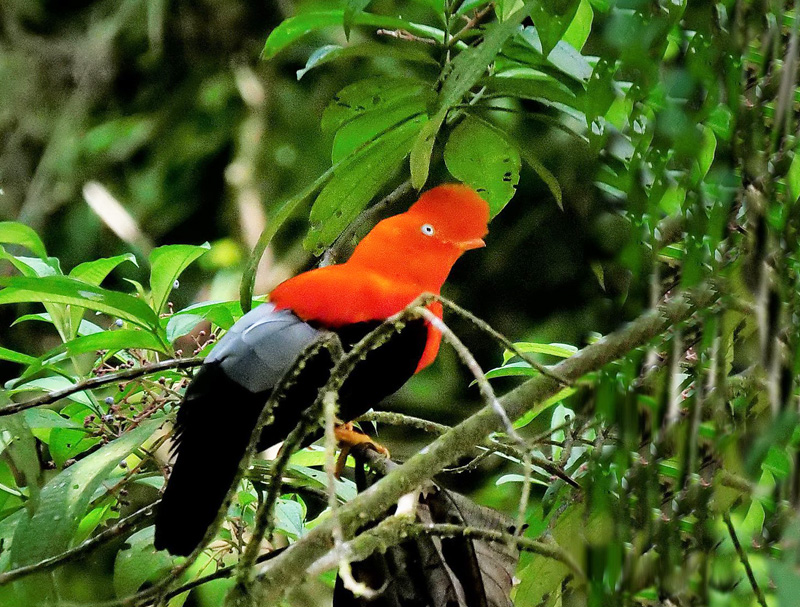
[(400, 258)]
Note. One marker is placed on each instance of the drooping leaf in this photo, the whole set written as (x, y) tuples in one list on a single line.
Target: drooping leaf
[(552, 20), (351, 9), (483, 158), (357, 180), (365, 128), (166, 265), (12, 232), (94, 272), (16, 357), (422, 149), (470, 65), (65, 290), (332, 52), (578, 31), (294, 28), (368, 96), (64, 499), (139, 562), (554, 349)]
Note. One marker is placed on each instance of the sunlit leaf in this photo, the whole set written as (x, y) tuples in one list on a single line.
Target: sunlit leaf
[(166, 265), (294, 28), (357, 180), (12, 232), (64, 290), (483, 157), (64, 499)]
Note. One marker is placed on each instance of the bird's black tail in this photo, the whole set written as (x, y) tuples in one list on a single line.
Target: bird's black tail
[(213, 429)]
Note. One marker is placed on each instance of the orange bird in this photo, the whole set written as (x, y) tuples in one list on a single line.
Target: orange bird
[(401, 258)]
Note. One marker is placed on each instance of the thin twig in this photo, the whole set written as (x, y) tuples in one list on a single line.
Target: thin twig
[(75, 553), (745, 561), (96, 382)]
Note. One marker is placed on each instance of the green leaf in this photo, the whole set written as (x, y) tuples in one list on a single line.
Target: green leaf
[(65, 498), (166, 264), (47, 418), (12, 232), (139, 563), (356, 180), (290, 518), (16, 357), (543, 406), (562, 56), (545, 175), (517, 369), (365, 128), (95, 272), (578, 31), (294, 28), (371, 95), (65, 290), (793, 178), (469, 65), (20, 446), (554, 349), (482, 157), (332, 52), (351, 9), (526, 83), (552, 20), (422, 149)]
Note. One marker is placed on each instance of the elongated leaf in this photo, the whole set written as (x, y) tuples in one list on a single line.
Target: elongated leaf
[(483, 158), (63, 500), (94, 272), (532, 84), (543, 406), (422, 149), (332, 52), (139, 562), (470, 65), (371, 95), (65, 290), (295, 28), (12, 232), (545, 175), (578, 31), (559, 350), (357, 180), (166, 264), (357, 132), (351, 9), (552, 20), (273, 225), (15, 357)]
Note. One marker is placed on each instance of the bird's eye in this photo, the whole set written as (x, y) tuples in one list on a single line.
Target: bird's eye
[(428, 230)]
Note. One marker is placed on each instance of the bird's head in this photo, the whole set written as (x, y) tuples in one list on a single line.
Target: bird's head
[(422, 244)]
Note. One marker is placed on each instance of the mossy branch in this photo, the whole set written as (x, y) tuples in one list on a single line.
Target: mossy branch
[(288, 569)]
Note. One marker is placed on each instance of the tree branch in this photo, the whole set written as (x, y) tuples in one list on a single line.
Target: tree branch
[(96, 382), (288, 569)]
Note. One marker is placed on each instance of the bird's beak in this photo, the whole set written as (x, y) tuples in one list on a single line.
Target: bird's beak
[(476, 243)]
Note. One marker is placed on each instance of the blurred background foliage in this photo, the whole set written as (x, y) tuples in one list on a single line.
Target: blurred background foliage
[(638, 110)]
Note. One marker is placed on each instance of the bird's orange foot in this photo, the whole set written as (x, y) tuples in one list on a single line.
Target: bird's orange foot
[(348, 438)]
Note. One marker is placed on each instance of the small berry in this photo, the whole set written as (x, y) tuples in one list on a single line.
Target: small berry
[(109, 400)]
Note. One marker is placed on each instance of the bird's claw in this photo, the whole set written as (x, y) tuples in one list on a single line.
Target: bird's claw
[(349, 438)]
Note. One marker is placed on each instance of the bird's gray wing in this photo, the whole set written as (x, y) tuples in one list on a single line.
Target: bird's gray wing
[(262, 346)]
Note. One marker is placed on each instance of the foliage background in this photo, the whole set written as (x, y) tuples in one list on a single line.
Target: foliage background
[(683, 113)]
